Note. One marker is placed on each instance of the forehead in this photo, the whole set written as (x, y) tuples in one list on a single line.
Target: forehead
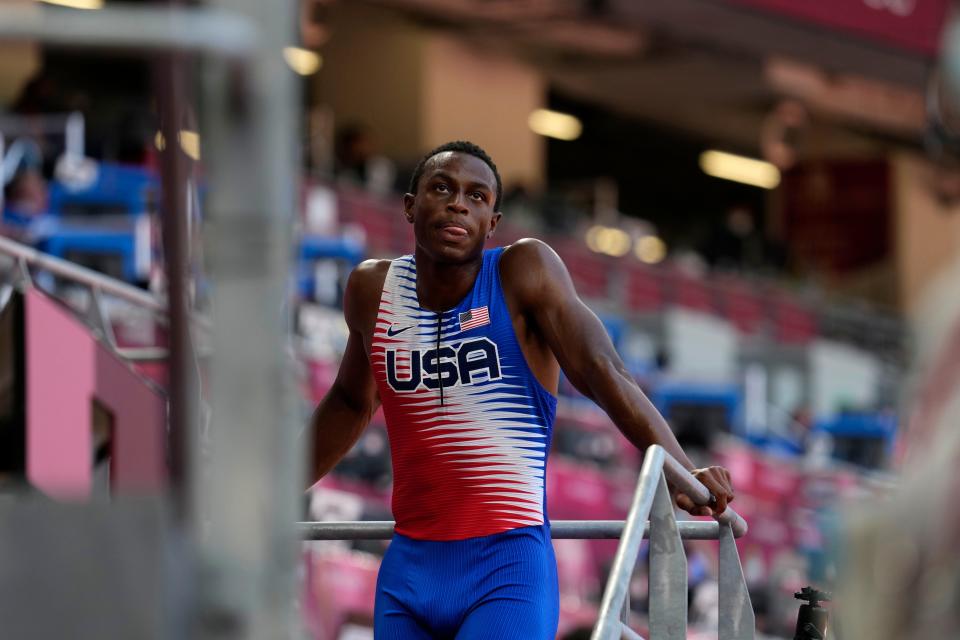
[(461, 166)]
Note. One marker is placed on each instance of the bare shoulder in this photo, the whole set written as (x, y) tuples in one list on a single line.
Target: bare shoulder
[(362, 296), (531, 269), (369, 273), (526, 254)]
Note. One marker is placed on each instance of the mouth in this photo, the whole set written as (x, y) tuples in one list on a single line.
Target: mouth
[(452, 232)]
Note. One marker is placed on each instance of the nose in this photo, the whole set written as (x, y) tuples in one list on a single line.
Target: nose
[(456, 203)]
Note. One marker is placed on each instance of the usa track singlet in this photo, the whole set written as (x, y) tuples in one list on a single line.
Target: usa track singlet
[(469, 424)]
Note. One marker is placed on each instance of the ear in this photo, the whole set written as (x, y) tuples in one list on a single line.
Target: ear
[(408, 200), (494, 221)]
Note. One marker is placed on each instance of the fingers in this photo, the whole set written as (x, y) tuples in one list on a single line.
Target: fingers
[(718, 483), (687, 504), (684, 502), (721, 503)]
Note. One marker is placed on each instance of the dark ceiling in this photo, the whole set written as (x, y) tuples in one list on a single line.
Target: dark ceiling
[(696, 66)]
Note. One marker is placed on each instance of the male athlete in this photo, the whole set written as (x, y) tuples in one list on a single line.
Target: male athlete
[(463, 348)]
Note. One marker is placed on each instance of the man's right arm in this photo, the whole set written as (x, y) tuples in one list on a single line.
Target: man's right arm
[(347, 407)]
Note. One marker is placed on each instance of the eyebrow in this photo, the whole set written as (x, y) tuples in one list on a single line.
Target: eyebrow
[(473, 185)]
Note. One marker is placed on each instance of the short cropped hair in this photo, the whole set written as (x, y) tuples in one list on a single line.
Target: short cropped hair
[(458, 146)]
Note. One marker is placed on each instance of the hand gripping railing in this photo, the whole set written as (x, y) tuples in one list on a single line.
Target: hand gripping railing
[(668, 564), (651, 516)]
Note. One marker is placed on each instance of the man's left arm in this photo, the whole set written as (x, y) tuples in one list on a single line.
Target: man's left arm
[(539, 282)]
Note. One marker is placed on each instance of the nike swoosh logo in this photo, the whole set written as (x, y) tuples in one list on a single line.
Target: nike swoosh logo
[(391, 332)]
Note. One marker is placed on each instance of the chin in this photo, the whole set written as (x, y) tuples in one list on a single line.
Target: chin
[(439, 249), (455, 253), (449, 253)]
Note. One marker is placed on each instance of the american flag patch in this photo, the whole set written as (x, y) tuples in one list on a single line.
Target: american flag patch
[(474, 318)]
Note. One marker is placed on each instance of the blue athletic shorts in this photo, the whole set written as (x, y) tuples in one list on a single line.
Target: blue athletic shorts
[(498, 587)]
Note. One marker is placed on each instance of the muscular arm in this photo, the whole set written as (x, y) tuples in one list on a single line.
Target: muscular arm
[(540, 285), (347, 407)]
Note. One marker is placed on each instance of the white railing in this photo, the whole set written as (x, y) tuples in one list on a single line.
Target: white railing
[(25, 258)]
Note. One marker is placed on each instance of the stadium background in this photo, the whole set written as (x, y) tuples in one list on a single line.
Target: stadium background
[(752, 196)]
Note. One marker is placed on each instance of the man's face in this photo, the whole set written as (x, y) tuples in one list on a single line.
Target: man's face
[(453, 210)]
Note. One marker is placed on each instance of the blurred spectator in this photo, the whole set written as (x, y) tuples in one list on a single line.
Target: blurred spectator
[(357, 161), (560, 215), (44, 95), (739, 242), (522, 209), (25, 189), (801, 425), (40, 95), (26, 195), (369, 459), (736, 243), (689, 261)]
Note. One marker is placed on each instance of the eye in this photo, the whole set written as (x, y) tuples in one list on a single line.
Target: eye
[(441, 187), (479, 195)]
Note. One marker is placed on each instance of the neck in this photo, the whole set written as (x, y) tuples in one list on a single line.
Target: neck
[(442, 285)]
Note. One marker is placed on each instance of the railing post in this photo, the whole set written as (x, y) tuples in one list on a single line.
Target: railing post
[(626, 633), (736, 613), (609, 626), (97, 318), (668, 570), (3, 176), (248, 551), (19, 275)]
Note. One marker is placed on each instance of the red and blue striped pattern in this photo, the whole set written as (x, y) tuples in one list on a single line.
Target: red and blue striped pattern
[(475, 464)]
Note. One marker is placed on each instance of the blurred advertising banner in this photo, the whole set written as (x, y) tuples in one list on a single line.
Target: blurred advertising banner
[(913, 25)]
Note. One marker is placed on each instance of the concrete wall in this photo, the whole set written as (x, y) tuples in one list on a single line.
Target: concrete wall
[(18, 62), (372, 74), (927, 232), (479, 95), (416, 88)]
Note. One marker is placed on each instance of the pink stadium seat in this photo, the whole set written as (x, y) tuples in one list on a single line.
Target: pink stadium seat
[(590, 272), (362, 210), (644, 291), (794, 322), (742, 304), (688, 291)]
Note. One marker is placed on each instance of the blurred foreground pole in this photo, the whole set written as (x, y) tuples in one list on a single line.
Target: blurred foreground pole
[(183, 386), (898, 570), (248, 480)]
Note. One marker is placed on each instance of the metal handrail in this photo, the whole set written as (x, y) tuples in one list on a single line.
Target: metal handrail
[(98, 284), (683, 480), (145, 28), (88, 277), (652, 517), (559, 530), (668, 611)]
